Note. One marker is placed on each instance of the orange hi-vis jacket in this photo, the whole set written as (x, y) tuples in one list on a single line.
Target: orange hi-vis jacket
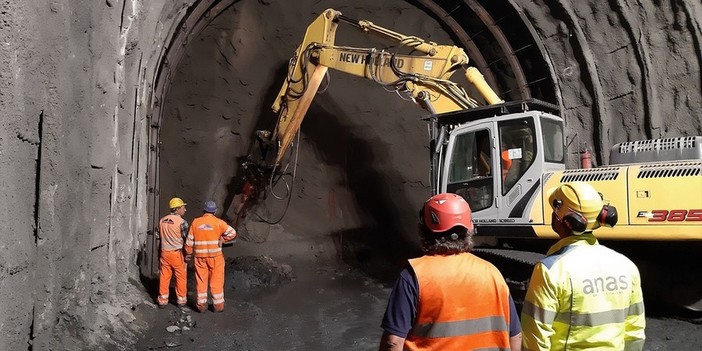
[(172, 229), (205, 233), (463, 305)]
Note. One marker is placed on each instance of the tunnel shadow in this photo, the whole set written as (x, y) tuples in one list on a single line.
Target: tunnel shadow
[(149, 284), (381, 249)]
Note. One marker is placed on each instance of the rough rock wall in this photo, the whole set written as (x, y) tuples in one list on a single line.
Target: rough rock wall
[(626, 70), (73, 160)]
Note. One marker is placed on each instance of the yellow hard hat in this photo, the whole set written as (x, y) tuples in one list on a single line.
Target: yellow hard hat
[(578, 205), (176, 202)]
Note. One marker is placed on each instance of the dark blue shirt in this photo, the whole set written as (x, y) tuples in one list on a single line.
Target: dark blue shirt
[(402, 307)]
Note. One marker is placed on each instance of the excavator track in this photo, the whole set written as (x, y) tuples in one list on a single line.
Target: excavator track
[(523, 257), (516, 267)]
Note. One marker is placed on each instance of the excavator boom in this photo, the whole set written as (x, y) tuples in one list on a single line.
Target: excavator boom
[(424, 76)]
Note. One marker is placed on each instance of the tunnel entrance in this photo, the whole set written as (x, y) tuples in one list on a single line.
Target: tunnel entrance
[(361, 169)]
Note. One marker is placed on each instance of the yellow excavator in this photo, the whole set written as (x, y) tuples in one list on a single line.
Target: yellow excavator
[(502, 157)]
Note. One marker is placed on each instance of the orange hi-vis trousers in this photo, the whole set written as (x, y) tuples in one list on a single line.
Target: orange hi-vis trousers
[(210, 271), (172, 262)]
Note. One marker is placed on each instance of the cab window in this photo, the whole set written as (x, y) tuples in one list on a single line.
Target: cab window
[(470, 170), (553, 141), (517, 150)]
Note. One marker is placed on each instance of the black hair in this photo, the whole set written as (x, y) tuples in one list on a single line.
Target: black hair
[(450, 242)]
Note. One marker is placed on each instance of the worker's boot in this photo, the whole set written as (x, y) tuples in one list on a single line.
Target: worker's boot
[(218, 307), (162, 301), (182, 301)]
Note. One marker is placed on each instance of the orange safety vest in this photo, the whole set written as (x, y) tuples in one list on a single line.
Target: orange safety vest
[(506, 163), (463, 305), (171, 229), (205, 232)]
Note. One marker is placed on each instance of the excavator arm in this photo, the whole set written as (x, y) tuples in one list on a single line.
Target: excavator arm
[(423, 75)]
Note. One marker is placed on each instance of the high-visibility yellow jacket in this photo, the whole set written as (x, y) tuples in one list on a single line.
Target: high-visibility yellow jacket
[(583, 296)]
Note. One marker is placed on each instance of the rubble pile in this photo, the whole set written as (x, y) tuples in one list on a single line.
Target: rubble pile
[(248, 272)]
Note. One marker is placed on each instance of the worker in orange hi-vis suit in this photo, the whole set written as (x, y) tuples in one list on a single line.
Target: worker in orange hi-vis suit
[(204, 241), (172, 230)]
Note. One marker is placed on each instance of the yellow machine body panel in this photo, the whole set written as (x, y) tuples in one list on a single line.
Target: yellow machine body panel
[(666, 194), (657, 201)]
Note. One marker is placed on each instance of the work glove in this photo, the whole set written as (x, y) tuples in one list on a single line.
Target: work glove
[(227, 244)]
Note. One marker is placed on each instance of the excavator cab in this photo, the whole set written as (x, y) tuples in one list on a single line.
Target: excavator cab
[(494, 157)]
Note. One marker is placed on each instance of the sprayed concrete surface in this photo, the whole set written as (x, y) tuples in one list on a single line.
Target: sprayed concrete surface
[(89, 90)]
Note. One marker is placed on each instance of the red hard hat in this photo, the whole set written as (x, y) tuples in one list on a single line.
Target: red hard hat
[(445, 211)]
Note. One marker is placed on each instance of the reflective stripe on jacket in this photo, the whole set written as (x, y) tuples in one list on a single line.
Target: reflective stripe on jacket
[(205, 233), (172, 229), (583, 296), (463, 305)]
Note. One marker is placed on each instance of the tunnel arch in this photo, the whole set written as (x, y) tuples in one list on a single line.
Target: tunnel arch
[(518, 67)]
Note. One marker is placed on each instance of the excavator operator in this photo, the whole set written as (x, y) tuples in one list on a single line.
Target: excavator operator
[(517, 155)]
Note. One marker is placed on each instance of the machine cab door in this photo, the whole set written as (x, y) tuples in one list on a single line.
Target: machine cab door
[(497, 165), (520, 168), (471, 168), (530, 144)]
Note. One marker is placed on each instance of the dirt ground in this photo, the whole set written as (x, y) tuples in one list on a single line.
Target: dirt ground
[(327, 306)]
